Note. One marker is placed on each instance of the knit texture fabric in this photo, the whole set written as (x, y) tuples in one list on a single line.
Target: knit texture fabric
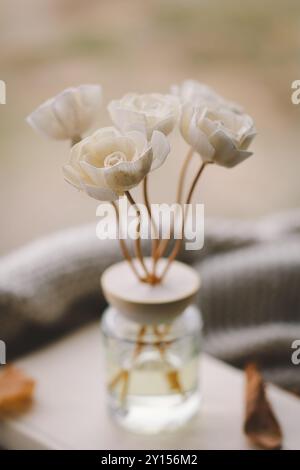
[(250, 295)]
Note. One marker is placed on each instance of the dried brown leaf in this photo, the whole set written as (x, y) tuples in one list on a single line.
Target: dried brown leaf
[(16, 391), (261, 425)]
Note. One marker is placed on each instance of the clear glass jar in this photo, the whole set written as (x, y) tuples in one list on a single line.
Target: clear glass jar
[(152, 370)]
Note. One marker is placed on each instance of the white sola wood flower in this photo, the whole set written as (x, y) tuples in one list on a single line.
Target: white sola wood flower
[(109, 162), (145, 113), (218, 134), (69, 114)]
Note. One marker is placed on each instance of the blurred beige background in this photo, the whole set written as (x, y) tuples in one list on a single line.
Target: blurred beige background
[(249, 51)]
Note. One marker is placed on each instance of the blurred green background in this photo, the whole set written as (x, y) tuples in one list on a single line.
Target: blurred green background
[(248, 51)]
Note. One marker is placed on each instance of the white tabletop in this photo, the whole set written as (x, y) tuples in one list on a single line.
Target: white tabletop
[(70, 410)]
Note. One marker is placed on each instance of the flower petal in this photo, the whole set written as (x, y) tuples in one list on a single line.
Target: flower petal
[(96, 175), (90, 99), (126, 119), (160, 149), (246, 141), (101, 194), (67, 109), (72, 176), (105, 132), (45, 122), (127, 175), (199, 94), (139, 139), (226, 152), (166, 125), (199, 140)]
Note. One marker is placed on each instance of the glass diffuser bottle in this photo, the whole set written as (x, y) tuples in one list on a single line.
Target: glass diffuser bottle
[(152, 336)]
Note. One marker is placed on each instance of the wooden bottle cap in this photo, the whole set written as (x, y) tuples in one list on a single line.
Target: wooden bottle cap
[(145, 303)]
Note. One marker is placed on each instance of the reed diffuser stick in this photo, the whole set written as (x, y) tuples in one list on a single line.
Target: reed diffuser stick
[(138, 247), (163, 245), (178, 242), (123, 245)]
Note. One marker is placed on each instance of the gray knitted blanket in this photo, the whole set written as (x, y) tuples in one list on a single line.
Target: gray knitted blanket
[(250, 296)]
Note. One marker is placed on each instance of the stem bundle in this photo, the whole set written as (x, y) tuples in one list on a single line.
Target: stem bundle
[(159, 246)]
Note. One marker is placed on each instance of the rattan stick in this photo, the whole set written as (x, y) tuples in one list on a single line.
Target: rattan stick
[(138, 247)]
